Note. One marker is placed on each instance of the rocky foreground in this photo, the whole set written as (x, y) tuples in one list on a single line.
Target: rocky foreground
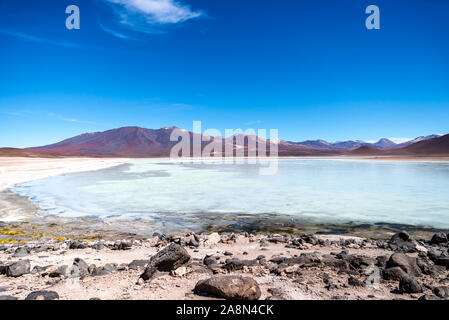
[(227, 266)]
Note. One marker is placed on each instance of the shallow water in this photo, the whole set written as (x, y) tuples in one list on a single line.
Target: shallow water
[(179, 195)]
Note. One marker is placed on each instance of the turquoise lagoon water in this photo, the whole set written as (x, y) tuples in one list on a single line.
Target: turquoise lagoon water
[(172, 195)]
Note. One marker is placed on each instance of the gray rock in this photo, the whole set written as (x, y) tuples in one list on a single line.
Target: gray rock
[(122, 245), (138, 264), (43, 295), (401, 242), (410, 285), (428, 297), (237, 264), (439, 238), (230, 287), (61, 271), (442, 292), (18, 268), (98, 246), (21, 252), (395, 273), (106, 269), (83, 267), (439, 259), (169, 258), (406, 263), (4, 298), (355, 282)]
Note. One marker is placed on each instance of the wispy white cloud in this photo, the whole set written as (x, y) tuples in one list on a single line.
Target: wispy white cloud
[(116, 33), (150, 16), (74, 120), (32, 38), (158, 11)]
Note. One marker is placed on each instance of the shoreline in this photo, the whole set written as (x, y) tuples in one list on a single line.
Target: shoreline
[(17, 210)]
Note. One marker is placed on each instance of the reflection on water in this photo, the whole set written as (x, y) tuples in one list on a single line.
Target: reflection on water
[(176, 195)]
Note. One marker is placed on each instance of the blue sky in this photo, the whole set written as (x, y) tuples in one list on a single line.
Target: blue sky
[(309, 68)]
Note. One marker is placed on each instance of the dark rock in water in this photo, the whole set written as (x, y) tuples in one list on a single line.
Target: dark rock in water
[(401, 242), (4, 298), (439, 238), (21, 252), (406, 263), (230, 287), (169, 258), (138, 264), (442, 292), (410, 285), (355, 282), (18, 268), (43, 295), (395, 273)]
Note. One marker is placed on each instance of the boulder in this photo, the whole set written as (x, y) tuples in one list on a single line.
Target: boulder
[(169, 258), (439, 259), (406, 263), (83, 267), (401, 242), (21, 252), (410, 285), (442, 292), (395, 273), (212, 239), (439, 238), (43, 295), (101, 271), (18, 268), (230, 287)]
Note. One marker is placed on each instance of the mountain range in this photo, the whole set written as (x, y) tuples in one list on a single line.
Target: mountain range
[(140, 143)]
